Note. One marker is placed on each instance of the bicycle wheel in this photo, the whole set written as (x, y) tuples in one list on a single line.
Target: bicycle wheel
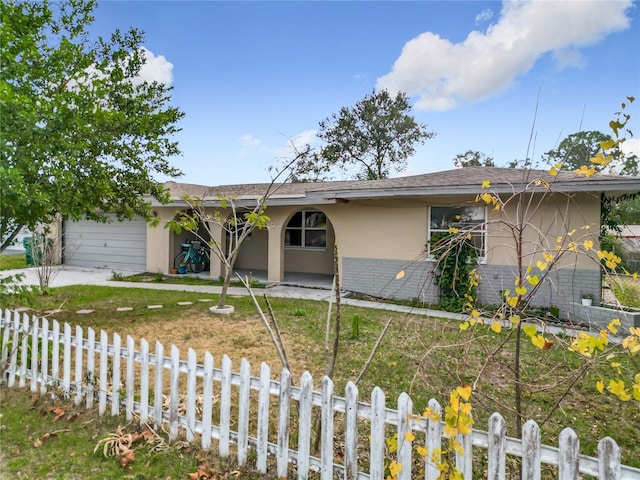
[(181, 259), (197, 263)]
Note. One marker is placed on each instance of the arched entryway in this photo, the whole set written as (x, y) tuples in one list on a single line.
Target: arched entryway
[(308, 248)]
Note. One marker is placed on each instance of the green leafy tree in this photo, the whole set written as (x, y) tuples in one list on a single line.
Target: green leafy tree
[(473, 158), (376, 136), (81, 132), (578, 149)]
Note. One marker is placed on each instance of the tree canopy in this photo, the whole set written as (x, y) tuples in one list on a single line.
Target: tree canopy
[(577, 150), (376, 136), (473, 158), (81, 132)]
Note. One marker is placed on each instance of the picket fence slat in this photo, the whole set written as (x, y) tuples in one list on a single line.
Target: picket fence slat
[(44, 365), (326, 449), (244, 411), (376, 449), (34, 358), (282, 453), (263, 417), (33, 350)]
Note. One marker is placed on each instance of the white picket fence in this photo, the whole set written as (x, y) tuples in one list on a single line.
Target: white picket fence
[(49, 357)]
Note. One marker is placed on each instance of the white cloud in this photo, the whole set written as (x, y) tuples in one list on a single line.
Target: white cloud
[(484, 16), (249, 144), (156, 68), (444, 74)]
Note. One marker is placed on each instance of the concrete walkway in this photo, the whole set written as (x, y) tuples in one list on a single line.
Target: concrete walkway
[(65, 276)]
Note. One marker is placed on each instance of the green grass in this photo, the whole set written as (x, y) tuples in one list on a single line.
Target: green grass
[(426, 357), (37, 445), (627, 292), (13, 261)]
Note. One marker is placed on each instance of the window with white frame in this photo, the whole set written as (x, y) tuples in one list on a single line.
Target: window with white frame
[(469, 219), (306, 229)]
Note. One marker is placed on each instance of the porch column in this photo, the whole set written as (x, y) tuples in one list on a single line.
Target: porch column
[(217, 267), (275, 265), (160, 244)]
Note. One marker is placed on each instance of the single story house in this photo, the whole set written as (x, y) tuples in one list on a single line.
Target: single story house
[(382, 227)]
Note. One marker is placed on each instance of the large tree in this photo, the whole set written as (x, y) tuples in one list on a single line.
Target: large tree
[(81, 132), (577, 150), (376, 136)]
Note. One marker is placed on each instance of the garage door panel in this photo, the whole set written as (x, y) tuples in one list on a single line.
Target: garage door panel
[(115, 245)]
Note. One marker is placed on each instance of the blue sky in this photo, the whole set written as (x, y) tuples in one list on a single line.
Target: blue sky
[(252, 77)]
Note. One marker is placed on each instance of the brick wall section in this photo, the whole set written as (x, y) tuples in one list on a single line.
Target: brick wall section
[(377, 277)]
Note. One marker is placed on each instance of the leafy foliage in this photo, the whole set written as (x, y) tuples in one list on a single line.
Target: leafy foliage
[(81, 132), (472, 158), (456, 261), (376, 136)]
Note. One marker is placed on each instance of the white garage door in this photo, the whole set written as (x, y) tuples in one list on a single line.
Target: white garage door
[(115, 245)]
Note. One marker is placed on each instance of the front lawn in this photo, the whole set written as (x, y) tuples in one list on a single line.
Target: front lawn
[(427, 357), (13, 261)]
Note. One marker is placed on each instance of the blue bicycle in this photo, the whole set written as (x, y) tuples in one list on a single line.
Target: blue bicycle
[(194, 256)]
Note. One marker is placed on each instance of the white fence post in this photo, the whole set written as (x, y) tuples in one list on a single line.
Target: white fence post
[(66, 360), (405, 411), (44, 367), (144, 381), (434, 439), (130, 385), (207, 401), (174, 394), (376, 448), (263, 418), (13, 363), (79, 364), (24, 351), (158, 387), (34, 354), (104, 362), (225, 408), (569, 451), (55, 354), (91, 366), (191, 395), (531, 451), (304, 424), (244, 411), (609, 456), (326, 469), (282, 449), (351, 432), (115, 378), (497, 447)]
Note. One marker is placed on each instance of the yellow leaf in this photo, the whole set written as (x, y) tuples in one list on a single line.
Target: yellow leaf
[(409, 437), (512, 301), (541, 265), (588, 244), (529, 330), (464, 392), (496, 327), (395, 468), (423, 452), (607, 144), (486, 184), (538, 341), (458, 448), (553, 172), (547, 256), (533, 280), (464, 326), (521, 290), (400, 274), (612, 325), (600, 386), (558, 165), (619, 390), (514, 319), (453, 230)]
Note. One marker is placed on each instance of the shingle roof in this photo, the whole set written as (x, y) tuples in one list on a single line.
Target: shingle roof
[(461, 180)]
